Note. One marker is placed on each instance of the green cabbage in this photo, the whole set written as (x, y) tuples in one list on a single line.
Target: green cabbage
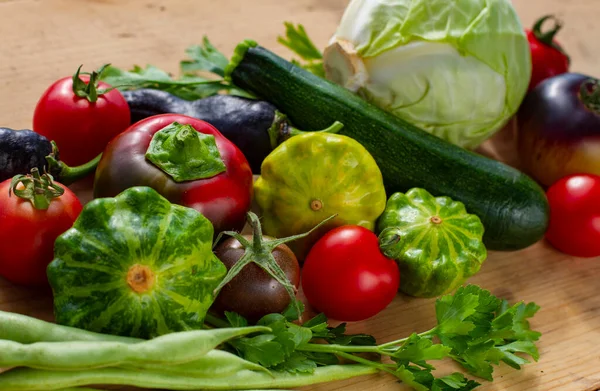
[(456, 68)]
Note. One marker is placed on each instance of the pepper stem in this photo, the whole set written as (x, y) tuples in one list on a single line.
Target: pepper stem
[(40, 190), (90, 89), (67, 174), (281, 129), (589, 94), (547, 37), (184, 153)]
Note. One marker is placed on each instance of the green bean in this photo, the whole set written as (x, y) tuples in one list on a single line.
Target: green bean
[(169, 349), (25, 329), (27, 379), (79, 389), (215, 363)]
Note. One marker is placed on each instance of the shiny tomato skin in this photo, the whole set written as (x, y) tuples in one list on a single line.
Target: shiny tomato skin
[(28, 234), (546, 60), (347, 277), (574, 227), (81, 129)]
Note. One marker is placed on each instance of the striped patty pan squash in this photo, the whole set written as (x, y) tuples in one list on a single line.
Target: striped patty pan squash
[(437, 244), (135, 265)]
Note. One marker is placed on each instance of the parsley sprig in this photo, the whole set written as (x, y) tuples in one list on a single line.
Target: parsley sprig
[(202, 72), (201, 75), (474, 328), (296, 39)]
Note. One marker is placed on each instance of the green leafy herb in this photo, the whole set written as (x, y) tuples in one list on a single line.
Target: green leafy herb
[(204, 57), (298, 42), (475, 329), (187, 87), (190, 86)]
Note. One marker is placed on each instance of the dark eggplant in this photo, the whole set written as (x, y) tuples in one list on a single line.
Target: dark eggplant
[(252, 125), (22, 150)]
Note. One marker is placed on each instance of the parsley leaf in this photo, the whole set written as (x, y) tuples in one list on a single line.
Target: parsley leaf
[(204, 57), (418, 350), (336, 335), (187, 87), (235, 319), (527, 347), (261, 349), (475, 329), (482, 330), (452, 312), (456, 381), (297, 363), (294, 311), (298, 42)]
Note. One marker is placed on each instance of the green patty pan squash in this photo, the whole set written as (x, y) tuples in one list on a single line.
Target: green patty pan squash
[(313, 176), (135, 265), (437, 244)]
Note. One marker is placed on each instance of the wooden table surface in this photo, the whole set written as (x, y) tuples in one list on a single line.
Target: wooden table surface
[(41, 41)]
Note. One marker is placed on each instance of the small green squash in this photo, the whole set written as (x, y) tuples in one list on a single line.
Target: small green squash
[(437, 244), (313, 176), (135, 265)]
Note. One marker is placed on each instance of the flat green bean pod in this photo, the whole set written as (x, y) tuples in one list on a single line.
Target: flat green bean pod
[(26, 329), (169, 349), (27, 379), (215, 363)]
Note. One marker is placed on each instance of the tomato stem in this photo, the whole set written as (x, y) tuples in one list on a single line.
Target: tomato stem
[(589, 94), (547, 37), (260, 252), (40, 190), (90, 89)]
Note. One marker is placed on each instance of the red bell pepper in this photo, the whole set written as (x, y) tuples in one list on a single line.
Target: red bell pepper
[(200, 169)]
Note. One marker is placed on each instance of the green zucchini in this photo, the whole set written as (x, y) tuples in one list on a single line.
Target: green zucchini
[(512, 207)]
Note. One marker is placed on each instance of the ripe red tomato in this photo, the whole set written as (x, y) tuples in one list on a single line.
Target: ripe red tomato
[(28, 234), (575, 215), (347, 277), (547, 57), (80, 123)]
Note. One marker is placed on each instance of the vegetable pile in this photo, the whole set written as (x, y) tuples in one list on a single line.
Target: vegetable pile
[(355, 160)]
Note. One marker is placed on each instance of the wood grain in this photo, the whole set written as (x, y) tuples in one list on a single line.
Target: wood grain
[(44, 40)]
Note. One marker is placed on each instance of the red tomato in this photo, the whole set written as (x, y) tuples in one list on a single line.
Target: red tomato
[(80, 126), (28, 234), (346, 276), (575, 215), (547, 57)]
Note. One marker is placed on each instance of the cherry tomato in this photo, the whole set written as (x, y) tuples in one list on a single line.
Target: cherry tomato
[(547, 57), (28, 233), (80, 116), (347, 277), (575, 215)]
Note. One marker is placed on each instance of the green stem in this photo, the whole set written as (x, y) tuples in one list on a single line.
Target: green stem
[(282, 130), (185, 154), (65, 174), (69, 175), (426, 334), (336, 349), (216, 321), (589, 94), (40, 190), (547, 37), (88, 90), (360, 360)]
